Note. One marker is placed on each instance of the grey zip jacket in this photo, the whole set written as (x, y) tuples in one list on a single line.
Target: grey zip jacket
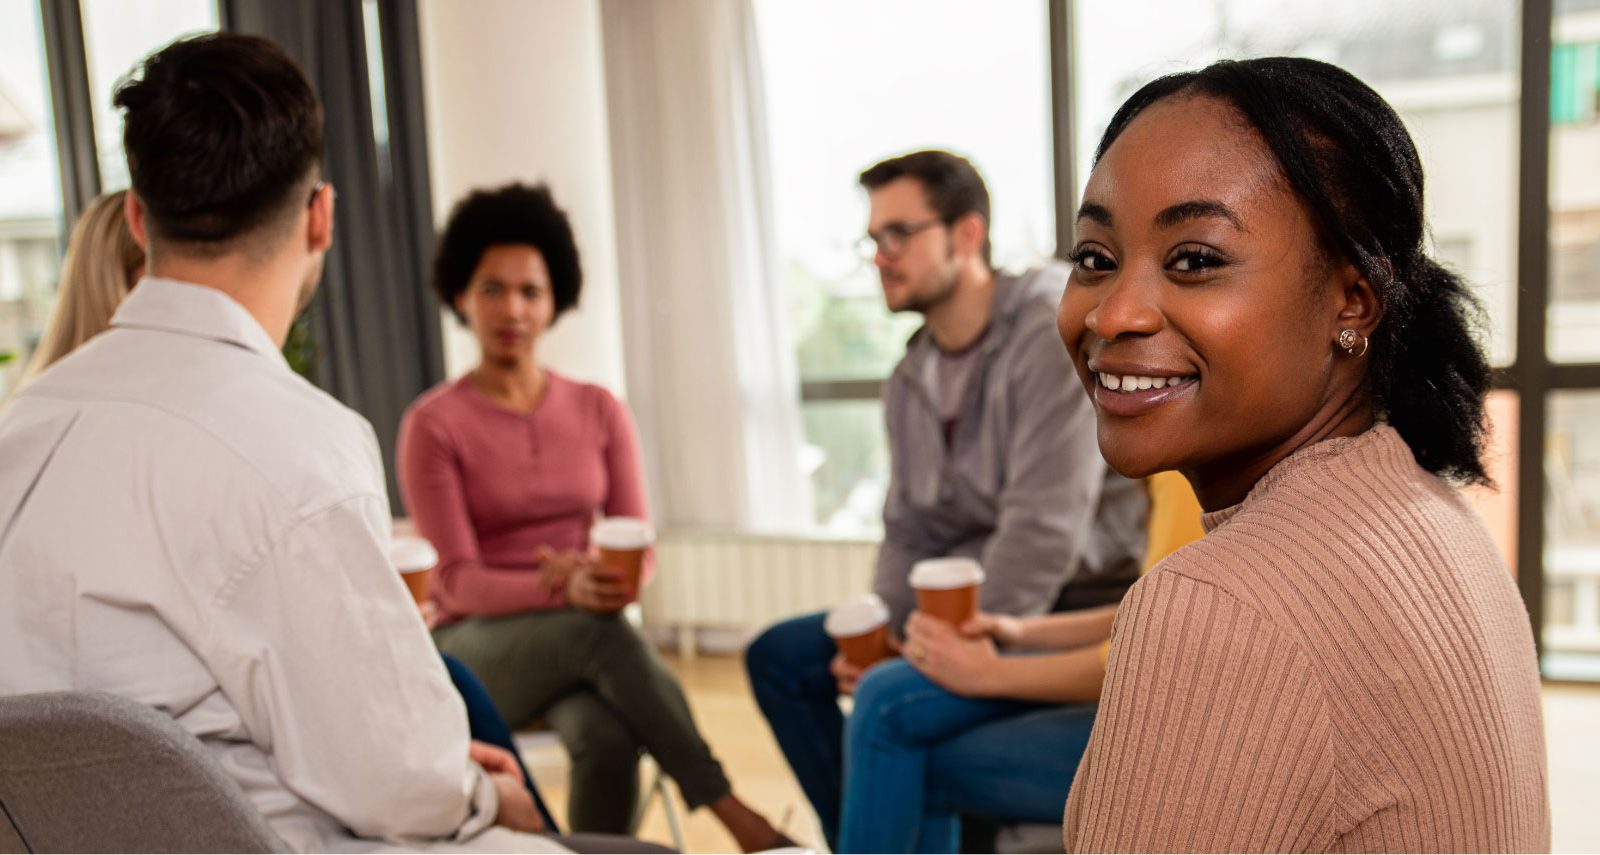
[(1021, 486)]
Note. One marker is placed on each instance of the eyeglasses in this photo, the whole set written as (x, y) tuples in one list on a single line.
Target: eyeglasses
[(891, 239), (317, 188)]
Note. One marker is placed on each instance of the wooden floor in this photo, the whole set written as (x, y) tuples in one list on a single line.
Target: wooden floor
[(729, 720)]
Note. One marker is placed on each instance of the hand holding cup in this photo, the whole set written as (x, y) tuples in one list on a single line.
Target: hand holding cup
[(951, 658), (1006, 630), (596, 588)]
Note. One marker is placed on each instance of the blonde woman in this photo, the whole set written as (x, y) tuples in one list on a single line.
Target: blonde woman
[(103, 262)]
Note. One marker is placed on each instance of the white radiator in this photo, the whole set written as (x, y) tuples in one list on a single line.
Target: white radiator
[(742, 582)]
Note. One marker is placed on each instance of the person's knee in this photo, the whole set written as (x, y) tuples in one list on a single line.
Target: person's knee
[(603, 744), (886, 683), (606, 637), (784, 647), (880, 697)]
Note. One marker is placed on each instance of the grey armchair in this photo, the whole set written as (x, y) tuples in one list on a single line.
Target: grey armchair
[(92, 772)]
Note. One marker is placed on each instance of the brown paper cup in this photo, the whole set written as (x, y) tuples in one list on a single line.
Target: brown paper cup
[(629, 561), (947, 588), (622, 542), (414, 558), (955, 605), (867, 649), (417, 583)]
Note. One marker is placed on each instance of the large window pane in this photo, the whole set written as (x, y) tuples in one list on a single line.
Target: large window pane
[(30, 188), (1574, 311), (1449, 67), (851, 464), (118, 34), (1572, 537), (973, 78)]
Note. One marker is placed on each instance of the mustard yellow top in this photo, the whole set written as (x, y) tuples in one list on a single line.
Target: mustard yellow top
[(1174, 522)]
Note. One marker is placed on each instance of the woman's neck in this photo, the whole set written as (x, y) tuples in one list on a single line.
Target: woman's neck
[(1226, 482), (519, 385)]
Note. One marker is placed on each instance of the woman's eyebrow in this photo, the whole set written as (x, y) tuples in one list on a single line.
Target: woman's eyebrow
[(1097, 212), (1196, 209)]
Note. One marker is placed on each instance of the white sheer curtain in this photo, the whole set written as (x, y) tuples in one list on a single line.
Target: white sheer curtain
[(711, 373)]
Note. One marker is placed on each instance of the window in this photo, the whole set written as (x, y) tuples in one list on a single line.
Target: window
[(30, 188), (116, 36), (970, 78), (1574, 310), (1572, 532)]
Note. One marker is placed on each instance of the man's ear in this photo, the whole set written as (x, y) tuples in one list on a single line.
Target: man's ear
[(968, 233), (133, 212), (319, 225)]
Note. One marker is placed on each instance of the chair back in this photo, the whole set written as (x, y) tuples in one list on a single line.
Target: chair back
[(93, 772)]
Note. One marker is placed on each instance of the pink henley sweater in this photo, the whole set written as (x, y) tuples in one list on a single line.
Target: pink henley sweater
[(489, 486)]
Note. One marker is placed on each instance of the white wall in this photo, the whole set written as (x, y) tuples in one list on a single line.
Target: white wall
[(516, 91)]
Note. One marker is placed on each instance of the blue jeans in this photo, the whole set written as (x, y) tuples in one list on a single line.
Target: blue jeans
[(919, 756), (788, 667), (485, 724)]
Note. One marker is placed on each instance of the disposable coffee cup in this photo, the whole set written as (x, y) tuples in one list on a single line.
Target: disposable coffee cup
[(622, 542), (947, 588), (414, 557), (860, 627)]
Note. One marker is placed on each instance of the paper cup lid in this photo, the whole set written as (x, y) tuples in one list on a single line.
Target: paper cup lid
[(410, 554), (856, 617), (622, 533), (943, 573)]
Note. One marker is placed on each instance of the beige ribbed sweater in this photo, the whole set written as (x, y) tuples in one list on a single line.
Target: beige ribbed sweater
[(1342, 664)]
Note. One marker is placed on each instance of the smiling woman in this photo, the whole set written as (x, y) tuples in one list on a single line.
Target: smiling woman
[(1342, 663)]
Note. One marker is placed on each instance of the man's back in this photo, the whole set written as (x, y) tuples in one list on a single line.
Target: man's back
[(185, 522), (146, 461)]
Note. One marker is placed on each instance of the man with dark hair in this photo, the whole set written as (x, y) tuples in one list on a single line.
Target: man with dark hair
[(992, 454), (187, 523)]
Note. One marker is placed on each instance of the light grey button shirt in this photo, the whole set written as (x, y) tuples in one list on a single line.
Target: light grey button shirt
[(187, 523)]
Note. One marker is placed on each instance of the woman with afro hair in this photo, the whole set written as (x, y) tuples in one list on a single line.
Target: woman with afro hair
[(505, 470)]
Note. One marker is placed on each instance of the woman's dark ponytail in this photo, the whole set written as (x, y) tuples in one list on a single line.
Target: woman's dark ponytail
[(1428, 372), (1348, 157)]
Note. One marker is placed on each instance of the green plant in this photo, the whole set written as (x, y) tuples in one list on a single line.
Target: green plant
[(300, 347)]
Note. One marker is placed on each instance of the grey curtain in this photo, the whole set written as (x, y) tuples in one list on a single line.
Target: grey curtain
[(374, 326)]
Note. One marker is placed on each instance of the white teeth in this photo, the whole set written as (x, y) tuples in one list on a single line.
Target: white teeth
[(1136, 383)]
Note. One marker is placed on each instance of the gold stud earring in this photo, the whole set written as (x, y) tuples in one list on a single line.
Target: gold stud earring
[(1350, 340)]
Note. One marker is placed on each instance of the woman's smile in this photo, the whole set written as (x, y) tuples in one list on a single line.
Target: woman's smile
[(1134, 395)]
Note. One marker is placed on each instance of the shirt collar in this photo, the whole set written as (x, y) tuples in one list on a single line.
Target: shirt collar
[(184, 308)]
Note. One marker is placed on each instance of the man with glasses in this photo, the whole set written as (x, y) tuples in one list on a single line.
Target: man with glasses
[(992, 454)]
